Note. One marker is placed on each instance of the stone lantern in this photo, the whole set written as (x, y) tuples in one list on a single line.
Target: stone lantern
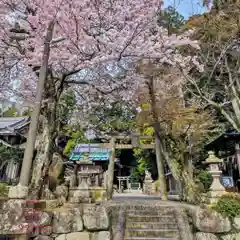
[(216, 189)]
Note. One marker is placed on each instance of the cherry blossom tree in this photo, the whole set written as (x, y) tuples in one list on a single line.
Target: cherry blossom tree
[(86, 34)]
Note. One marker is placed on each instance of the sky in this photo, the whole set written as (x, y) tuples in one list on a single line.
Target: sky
[(186, 7)]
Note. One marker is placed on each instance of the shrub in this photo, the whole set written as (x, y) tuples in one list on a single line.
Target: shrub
[(96, 195), (206, 179), (228, 205), (3, 190)]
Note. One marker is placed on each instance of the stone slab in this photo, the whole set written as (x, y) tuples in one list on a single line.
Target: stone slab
[(95, 217), (18, 192), (78, 236)]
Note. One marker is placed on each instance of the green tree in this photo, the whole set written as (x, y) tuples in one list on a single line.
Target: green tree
[(11, 112), (146, 158), (171, 19), (76, 135), (119, 118), (179, 125), (217, 87), (27, 112), (65, 108), (10, 154)]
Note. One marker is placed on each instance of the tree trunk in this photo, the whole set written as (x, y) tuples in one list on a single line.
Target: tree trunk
[(236, 109), (48, 163), (190, 191), (180, 188), (190, 188), (159, 146)]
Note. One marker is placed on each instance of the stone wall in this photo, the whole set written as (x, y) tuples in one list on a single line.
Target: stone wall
[(44, 221), (207, 224)]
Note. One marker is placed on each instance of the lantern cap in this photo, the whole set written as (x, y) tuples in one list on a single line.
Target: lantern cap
[(212, 158)]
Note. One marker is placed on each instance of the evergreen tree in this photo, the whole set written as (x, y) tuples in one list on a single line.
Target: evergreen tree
[(171, 19)]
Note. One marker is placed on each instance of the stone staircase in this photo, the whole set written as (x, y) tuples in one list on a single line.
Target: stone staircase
[(152, 223)]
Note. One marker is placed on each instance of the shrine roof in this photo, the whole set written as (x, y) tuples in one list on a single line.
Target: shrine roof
[(8, 125), (225, 141), (94, 152)]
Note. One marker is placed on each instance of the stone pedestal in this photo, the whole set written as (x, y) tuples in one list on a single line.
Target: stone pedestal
[(98, 194), (18, 192), (148, 188), (216, 189), (148, 183), (82, 193)]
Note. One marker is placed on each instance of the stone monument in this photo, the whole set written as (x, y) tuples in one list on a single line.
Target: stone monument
[(216, 189)]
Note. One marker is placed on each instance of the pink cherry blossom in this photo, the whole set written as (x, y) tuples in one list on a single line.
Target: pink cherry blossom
[(92, 32)]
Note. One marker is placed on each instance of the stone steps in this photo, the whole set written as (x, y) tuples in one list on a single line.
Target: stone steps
[(151, 218), (143, 211), (152, 223), (151, 208), (150, 238), (151, 233), (152, 213)]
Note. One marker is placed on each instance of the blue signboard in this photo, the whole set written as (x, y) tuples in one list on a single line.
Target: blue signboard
[(94, 152), (227, 181)]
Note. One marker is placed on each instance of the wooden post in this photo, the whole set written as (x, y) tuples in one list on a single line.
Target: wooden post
[(160, 167), (119, 187), (237, 147), (111, 171), (32, 133)]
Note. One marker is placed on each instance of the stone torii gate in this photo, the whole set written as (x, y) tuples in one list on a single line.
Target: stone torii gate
[(135, 143), (123, 178)]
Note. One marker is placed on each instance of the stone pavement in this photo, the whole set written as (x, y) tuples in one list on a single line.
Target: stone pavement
[(134, 198)]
